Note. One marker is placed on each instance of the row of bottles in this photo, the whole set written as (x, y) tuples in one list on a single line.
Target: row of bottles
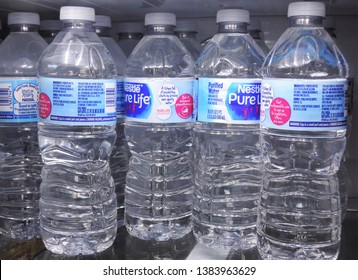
[(242, 146)]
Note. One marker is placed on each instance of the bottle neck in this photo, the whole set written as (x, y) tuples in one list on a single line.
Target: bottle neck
[(78, 25), (159, 29), (306, 21), (24, 28), (232, 27), (103, 31), (185, 34), (134, 36)]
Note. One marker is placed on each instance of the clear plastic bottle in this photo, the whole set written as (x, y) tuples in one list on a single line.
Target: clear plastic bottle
[(49, 29), (77, 108), (20, 161), (129, 34), (329, 25), (344, 179), (255, 32), (303, 126), (227, 157), (120, 154), (186, 32), (159, 78)]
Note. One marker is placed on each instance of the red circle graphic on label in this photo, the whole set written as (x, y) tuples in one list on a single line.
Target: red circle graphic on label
[(45, 106), (280, 111), (184, 106)]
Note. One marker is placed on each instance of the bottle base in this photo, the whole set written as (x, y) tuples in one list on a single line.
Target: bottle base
[(274, 250), (73, 244), (158, 230), (235, 238)]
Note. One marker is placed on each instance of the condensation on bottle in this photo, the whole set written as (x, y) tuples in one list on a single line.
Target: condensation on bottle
[(77, 118), (20, 161), (303, 126), (159, 79), (227, 162), (120, 154)]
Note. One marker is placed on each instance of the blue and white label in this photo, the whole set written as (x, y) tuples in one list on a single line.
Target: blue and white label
[(159, 100), (235, 101), (77, 101), (304, 104), (18, 99)]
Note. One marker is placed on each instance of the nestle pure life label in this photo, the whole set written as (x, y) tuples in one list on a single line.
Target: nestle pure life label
[(235, 101), (161, 100)]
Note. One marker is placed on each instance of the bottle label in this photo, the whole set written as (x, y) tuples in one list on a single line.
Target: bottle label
[(77, 101), (159, 100), (195, 96), (120, 98), (18, 99), (349, 99), (235, 101), (304, 104)]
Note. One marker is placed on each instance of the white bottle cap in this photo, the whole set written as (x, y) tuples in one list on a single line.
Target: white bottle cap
[(23, 18), (185, 25), (50, 25), (233, 15), (160, 18), (103, 21), (130, 27), (74, 12), (306, 9)]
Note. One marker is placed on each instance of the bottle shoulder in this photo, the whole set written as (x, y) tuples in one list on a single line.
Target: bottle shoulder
[(79, 54), (117, 53), (160, 56), (305, 53), (230, 55), (193, 46), (20, 52)]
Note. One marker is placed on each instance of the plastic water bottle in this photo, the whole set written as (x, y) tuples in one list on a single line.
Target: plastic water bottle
[(186, 32), (255, 32), (344, 179), (77, 108), (227, 157), (303, 126), (129, 34), (120, 154), (20, 161), (49, 29), (158, 87), (329, 25)]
